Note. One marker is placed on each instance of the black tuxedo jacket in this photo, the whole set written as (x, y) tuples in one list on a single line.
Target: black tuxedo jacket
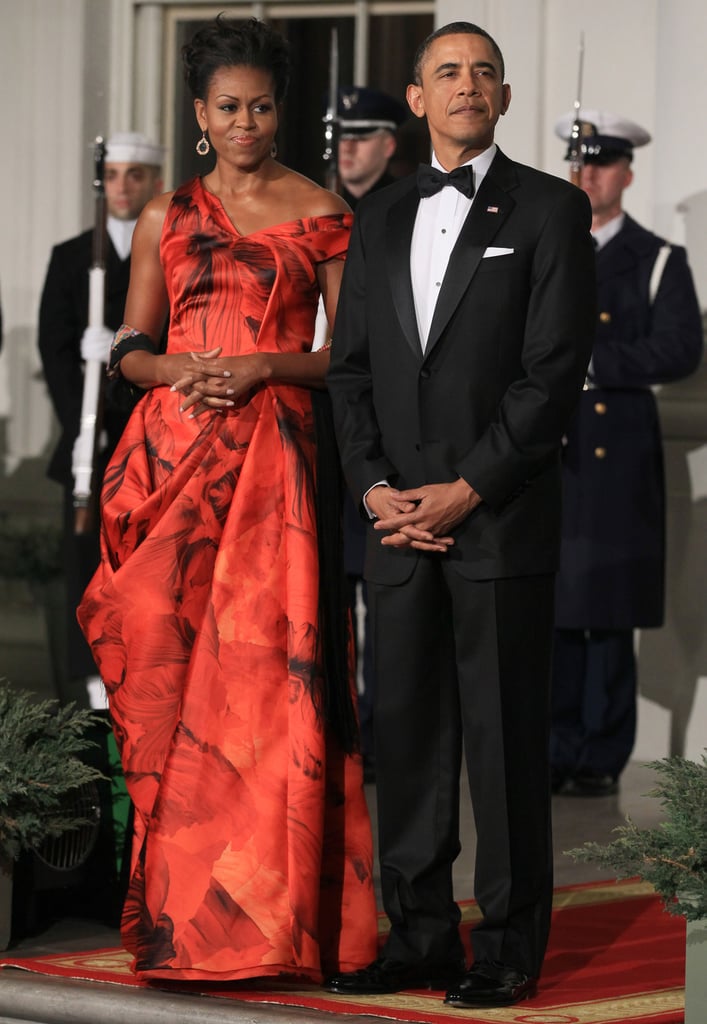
[(504, 364), (63, 316)]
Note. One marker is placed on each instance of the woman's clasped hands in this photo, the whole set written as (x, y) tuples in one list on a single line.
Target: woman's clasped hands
[(207, 381)]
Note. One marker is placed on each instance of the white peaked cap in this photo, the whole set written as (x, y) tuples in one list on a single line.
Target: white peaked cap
[(605, 124), (133, 148)]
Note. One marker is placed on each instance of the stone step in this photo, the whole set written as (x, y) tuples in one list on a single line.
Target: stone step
[(27, 998)]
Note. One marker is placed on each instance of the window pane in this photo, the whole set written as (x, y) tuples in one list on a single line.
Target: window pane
[(392, 42), (301, 134)]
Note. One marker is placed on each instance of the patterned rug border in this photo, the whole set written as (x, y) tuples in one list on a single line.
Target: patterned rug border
[(663, 1006)]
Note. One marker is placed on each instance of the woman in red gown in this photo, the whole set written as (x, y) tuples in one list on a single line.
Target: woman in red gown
[(252, 853)]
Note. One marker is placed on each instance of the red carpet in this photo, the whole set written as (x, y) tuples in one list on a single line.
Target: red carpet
[(615, 957)]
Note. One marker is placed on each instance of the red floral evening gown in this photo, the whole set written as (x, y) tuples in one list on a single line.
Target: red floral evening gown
[(252, 852)]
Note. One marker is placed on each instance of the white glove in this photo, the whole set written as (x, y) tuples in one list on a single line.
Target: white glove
[(96, 343)]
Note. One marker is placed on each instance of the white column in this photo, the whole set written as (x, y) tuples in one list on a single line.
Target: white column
[(518, 26), (122, 65), (149, 75), (40, 192), (679, 129)]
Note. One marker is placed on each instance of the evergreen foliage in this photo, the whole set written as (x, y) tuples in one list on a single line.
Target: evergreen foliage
[(673, 855), (29, 551), (39, 767)]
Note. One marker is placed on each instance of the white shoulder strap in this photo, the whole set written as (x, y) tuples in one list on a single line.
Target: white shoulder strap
[(658, 268)]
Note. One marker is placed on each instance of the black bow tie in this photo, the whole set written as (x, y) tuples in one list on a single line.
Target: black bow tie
[(430, 180)]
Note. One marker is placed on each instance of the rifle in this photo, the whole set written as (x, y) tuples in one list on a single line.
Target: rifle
[(574, 149), (85, 446), (331, 119)]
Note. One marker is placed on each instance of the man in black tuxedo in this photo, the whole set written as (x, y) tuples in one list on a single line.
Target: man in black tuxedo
[(462, 338), (133, 176)]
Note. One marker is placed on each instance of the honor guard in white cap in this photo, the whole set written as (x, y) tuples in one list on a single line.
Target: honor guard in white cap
[(368, 120), (611, 577), (132, 176), (605, 137), (134, 148)]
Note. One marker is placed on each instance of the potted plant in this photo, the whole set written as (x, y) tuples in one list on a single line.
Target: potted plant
[(32, 582), (40, 768), (672, 856), (29, 550)]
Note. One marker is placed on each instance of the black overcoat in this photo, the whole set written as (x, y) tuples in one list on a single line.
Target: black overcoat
[(612, 562)]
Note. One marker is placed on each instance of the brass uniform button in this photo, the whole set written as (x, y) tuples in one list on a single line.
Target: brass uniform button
[(600, 408), (605, 318), (600, 453)]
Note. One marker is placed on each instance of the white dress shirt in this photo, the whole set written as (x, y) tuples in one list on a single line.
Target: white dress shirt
[(121, 235), (607, 231), (439, 220), (437, 225)]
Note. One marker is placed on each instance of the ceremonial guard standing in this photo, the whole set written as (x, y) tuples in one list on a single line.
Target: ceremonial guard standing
[(132, 177), (612, 566), (367, 122)]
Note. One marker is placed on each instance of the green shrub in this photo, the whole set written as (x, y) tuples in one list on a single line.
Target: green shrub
[(31, 551), (673, 855), (40, 744)]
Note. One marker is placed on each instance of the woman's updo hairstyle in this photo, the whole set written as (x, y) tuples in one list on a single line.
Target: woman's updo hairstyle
[(226, 43)]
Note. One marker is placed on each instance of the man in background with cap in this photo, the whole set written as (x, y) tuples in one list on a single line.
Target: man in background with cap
[(132, 177), (611, 578), (368, 121)]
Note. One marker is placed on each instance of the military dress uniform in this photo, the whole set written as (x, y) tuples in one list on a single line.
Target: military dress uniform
[(363, 112), (612, 565), (63, 318)]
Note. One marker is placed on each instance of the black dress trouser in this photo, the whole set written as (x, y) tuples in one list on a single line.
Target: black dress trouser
[(464, 663)]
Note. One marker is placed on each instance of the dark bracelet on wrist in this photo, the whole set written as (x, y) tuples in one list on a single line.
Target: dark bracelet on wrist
[(128, 343)]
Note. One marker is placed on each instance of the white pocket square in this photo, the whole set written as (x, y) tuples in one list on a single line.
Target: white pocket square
[(493, 250)]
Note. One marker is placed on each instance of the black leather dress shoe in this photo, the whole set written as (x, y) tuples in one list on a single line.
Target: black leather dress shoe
[(592, 785), (384, 976), (491, 984)]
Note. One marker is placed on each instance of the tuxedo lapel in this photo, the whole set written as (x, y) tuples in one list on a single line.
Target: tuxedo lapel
[(490, 208), (400, 224)]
